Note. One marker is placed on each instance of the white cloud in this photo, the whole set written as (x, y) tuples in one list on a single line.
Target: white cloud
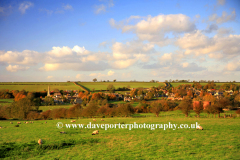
[(128, 50), (79, 76), (67, 7), (80, 50), (167, 57), (93, 58), (184, 65), (60, 52), (16, 68), (224, 17), (197, 43), (50, 67), (100, 9), (49, 77), (121, 64), (25, 57), (233, 65), (154, 29), (24, 6), (110, 73), (193, 40)]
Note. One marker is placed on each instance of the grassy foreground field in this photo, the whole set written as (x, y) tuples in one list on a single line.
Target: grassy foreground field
[(218, 140)]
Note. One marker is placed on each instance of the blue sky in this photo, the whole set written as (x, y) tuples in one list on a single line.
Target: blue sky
[(124, 40)]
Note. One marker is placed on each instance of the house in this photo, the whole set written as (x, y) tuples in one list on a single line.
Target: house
[(58, 94), (78, 100), (127, 99)]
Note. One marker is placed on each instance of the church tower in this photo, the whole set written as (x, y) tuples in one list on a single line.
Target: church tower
[(48, 93)]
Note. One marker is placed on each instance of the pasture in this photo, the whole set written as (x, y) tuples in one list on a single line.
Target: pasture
[(218, 140), (6, 101), (38, 86), (175, 84), (103, 85), (45, 108)]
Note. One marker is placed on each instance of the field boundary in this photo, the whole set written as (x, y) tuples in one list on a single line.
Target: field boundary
[(81, 86)]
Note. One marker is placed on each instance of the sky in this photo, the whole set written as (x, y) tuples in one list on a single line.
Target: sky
[(142, 40)]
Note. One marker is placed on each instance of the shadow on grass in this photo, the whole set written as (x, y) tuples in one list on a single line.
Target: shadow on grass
[(25, 150)]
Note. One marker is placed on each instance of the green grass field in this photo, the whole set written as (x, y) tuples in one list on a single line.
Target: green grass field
[(6, 101), (38, 86), (203, 84), (218, 140), (104, 85), (45, 108)]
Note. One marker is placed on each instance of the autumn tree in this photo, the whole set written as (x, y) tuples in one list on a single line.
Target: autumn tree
[(186, 106), (90, 110), (198, 108), (156, 107), (125, 109), (111, 88), (21, 108), (218, 109)]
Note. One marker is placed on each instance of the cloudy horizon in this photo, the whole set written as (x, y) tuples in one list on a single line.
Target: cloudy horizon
[(123, 40)]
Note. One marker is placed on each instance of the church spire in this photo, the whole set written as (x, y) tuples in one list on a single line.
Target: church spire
[(48, 94)]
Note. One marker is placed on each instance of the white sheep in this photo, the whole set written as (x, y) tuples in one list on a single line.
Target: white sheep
[(95, 132), (94, 119), (26, 122), (200, 127), (45, 122), (63, 132), (18, 122), (102, 119), (11, 123), (73, 121), (39, 141)]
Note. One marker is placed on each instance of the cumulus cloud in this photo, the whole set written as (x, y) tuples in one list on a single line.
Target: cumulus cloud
[(110, 73), (223, 18), (24, 6), (193, 40), (131, 49), (50, 67), (154, 29), (49, 77), (80, 50), (25, 57), (198, 44), (79, 76), (166, 58), (60, 52), (121, 64), (233, 65), (16, 68)]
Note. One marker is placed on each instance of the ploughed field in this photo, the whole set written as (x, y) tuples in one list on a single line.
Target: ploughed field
[(219, 139)]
